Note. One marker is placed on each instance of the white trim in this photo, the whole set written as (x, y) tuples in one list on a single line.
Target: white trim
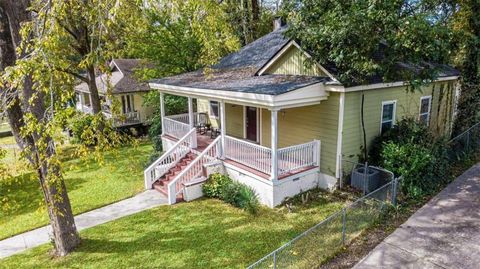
[(261, 126), (245, 124), (308, 95), (394, 102), (341, 113), (210, 114), (428, 113), (391, 84), (280, 53)]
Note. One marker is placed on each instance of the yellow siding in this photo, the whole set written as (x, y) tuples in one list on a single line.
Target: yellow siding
[(234, 120), (407, 106), (138, 99), (203, 105), (233, 117), (304, 124), (294, 62)]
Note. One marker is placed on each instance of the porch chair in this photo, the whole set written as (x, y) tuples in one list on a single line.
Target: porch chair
[(202, 123)]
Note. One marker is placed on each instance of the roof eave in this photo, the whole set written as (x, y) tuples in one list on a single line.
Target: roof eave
[(308, 95)]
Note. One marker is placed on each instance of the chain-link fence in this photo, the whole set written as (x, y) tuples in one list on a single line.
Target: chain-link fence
[(380, 189), (465, 143), (320, 242)]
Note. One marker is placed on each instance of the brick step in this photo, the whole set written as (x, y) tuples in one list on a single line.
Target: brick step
[(161, 185)]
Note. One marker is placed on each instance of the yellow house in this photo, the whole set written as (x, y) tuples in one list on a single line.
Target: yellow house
[(268, 119), (126, 90)]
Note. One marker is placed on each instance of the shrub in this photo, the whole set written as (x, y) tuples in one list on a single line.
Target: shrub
[(78, 124), (232, 192), (410, 150), (215, 185)]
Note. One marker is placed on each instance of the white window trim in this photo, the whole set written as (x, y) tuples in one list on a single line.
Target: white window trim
[(394, 102), (259, 131), (210, 114), (429, 97)]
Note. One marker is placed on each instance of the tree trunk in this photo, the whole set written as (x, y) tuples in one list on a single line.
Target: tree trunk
[(92, 86), (255, 18), (65, 235)]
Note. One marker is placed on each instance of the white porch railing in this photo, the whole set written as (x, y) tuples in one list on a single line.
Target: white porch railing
[(193, 170), (198, 117), (298, 157), (169, 159), (175, 128), (260, 158), (249, 154)]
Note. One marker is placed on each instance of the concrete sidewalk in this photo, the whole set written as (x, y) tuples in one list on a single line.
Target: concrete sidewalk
[(445, 233), (140, 202)]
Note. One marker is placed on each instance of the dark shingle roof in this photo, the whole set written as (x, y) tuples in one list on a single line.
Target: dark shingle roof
[(257, 53), (240, 80), (121, 79)]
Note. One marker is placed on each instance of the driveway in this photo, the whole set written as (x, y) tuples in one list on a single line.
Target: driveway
[(445, 233)]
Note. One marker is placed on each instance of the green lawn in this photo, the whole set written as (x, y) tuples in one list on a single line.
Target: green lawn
[(202, 234), (90, 185)]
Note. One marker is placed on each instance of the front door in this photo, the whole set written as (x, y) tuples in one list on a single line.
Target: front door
[(251, 123)]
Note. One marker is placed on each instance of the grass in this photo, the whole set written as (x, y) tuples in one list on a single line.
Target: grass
[(205, 233), (90, 185)]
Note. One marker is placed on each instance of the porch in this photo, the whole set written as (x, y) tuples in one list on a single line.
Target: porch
[(242, 139), (247, 152)]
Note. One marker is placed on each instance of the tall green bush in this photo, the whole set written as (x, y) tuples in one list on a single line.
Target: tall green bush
[(410, 150)]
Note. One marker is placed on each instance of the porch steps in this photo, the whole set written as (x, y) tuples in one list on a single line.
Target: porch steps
[(161, 185)]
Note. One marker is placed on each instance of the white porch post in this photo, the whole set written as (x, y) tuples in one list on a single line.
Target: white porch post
[(274, 143), (191, 120), (190, 112), (222, 127), (162, 110)]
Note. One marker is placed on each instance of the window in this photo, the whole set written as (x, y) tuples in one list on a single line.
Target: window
[(214, 109), (127, 104), (388, 115), (425, 105)]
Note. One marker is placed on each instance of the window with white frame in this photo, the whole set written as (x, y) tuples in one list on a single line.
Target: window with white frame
[(425, 107), (214, 110), (388, 115)]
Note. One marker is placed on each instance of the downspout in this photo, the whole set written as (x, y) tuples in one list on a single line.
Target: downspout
[(341, 113)]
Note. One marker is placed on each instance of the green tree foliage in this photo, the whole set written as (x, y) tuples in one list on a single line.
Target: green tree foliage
[(250, 19), (368, 37), (180, 36), (465, 23)]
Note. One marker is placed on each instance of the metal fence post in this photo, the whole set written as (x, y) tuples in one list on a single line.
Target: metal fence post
[(468, 142), (394, 191), (344, 224), (275, 260), (365, 173)]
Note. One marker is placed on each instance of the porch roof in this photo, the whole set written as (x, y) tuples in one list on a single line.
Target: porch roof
[(239, 80)]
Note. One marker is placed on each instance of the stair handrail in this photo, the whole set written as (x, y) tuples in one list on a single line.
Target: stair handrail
[(172, 193), (150, 173)]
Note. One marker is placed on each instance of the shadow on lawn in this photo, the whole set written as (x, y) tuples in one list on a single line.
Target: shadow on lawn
[(22, 194), (216, 234)]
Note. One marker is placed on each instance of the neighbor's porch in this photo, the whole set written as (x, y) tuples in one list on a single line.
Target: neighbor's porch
[(249, 137)]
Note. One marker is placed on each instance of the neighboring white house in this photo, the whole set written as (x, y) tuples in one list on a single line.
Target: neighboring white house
[(126, 89)]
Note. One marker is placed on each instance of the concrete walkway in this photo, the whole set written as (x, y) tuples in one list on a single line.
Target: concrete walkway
[(445, 233), (140, 202)]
